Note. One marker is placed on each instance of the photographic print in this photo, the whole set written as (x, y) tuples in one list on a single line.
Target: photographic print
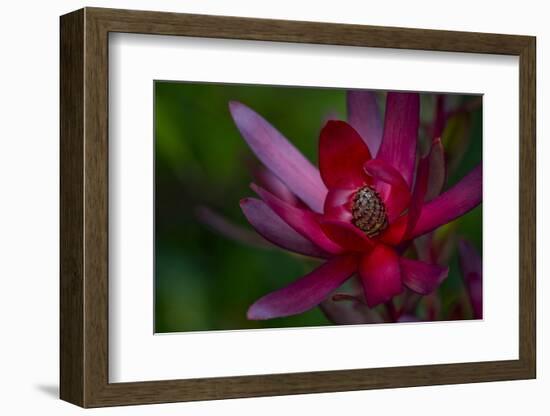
[(283, 206), (215, 215)]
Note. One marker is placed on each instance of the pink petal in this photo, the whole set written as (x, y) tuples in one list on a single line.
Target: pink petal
[(347, 235), (280, 156), (270, 226), (301, 220), (306, 292), (419, 193), (470, 264), (455, 202), (437, 169), (381, 275), (398, 196), (223, 226), (395, 233), (274, 185), (338, 204), (399, 141), (364, 116), (422, 277), (342, 154)]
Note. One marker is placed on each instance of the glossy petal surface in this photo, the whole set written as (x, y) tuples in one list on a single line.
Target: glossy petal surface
[(380, 275), (280, 156), (399, 141), (455, 202), (270, 226), (342, 154), (364, 116), (347, 235), (306, 292), (301, 220)]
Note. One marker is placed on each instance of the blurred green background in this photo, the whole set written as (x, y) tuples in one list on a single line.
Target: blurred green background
[(206, 281)]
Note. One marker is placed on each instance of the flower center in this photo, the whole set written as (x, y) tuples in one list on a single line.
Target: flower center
[(369, 212)]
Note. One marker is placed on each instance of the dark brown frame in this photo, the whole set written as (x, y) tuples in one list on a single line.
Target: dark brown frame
[(84, 213)]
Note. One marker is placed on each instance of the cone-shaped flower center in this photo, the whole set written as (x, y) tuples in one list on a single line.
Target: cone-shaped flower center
[(369, 212)]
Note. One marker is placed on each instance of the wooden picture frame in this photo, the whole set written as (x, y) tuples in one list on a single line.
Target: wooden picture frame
[(84, 207)]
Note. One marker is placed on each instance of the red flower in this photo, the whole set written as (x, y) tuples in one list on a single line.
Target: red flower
[(367, 201)]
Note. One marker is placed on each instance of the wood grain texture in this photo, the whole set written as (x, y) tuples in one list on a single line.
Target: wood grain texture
[(84, 207), (72, 215), (527, 208)]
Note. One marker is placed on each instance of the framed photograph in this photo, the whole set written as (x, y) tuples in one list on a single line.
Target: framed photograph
[(262, 207)]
